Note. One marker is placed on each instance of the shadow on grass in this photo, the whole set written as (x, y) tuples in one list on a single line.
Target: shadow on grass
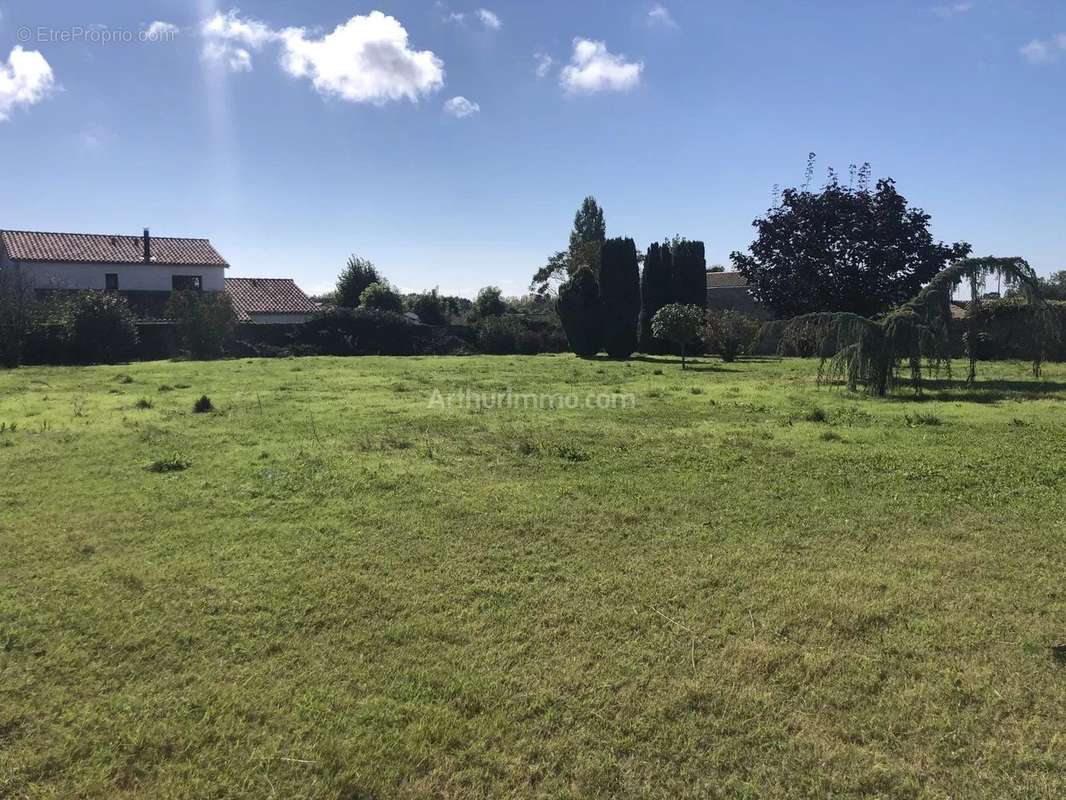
[(981, 392), (693, 365)]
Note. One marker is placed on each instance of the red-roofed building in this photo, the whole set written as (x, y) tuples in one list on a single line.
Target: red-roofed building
[(269, 301)]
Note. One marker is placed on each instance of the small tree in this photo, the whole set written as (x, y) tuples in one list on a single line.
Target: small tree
[(680, 324), (489, 303), (581, 312), (620, 290), (381, 297), (357, 274), (429, 307), (654, 293), (586, 241), (96, 327), (204, 321), (729, 333)]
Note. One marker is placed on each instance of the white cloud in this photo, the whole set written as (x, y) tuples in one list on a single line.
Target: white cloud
[(1045, 51), (26, 78), (160, 31), (460, 107), (593, 69), (952, 9), (489, 19), (230, 40), (364, 60), (660, 16), (544, 64)]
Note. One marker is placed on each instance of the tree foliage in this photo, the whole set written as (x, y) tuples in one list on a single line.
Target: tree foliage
[(580, 309), (586, 239), (729, 333), (688, 273), (203, 321), (429, 307), (620, 290), (381, 297), (356, 276), (680, 324), (655, 292), (844, 248), (17, 314), (915, 337), (489, 303)]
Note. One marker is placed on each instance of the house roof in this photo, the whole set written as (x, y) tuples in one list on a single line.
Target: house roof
[(726, 280), (267, 296), (96, 248)]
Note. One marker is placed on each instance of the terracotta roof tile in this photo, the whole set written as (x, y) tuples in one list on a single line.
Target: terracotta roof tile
[(95, 248), (267, 296)]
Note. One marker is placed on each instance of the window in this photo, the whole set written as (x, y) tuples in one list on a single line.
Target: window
[(187, 283), (111, 282)]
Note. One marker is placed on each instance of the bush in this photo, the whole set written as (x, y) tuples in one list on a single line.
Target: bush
[(489, 303), (356, 276), (581, 312), (359, 331), (429, 307), (381, 297), (729, 333), (203, 405), (97, 327), (500, 335), (203, 321)]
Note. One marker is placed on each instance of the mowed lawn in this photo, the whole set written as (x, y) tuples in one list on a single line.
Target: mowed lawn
[(743, 586)]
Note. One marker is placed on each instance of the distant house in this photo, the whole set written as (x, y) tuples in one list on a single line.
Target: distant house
[(146, 269), (269, 301), (128, 264), (728, 291)]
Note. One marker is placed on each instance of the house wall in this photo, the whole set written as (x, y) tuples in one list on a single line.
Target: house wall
[(736, 299), (131, 277)]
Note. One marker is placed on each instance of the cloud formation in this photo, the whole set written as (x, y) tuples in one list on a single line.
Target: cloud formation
[(160, 31), (364, 60), (26, 79), (660, 17), (949, 10), (460, 107), (489, 19), (543, 64), (593, 68), (1045, 51)]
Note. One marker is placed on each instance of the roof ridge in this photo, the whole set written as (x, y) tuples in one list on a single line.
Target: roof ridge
[(106, 235)]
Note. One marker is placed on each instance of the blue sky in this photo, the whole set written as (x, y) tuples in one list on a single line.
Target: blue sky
[(293, 134)]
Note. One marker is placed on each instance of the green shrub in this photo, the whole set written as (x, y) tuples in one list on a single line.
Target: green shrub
[(357, 275), (175, 462), (203, 321), (98, 327), (429, 307), (203, 405), (381, 297), (489, 303), (730, 333)]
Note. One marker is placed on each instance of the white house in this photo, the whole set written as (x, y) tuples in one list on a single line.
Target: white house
[(146, 269), (125, 264)]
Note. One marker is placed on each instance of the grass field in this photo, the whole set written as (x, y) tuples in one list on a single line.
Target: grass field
[(331, 586)]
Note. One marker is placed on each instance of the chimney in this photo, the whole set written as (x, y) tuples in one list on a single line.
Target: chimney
[(147, 246)]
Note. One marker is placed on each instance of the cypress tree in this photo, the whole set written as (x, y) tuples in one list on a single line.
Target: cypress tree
[(581, 312), (655, 292), (620, 290), (689, 276)]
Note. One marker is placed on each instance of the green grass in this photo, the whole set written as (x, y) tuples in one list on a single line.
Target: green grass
[(744, 586)]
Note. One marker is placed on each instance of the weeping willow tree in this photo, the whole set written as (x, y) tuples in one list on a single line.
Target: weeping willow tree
[(900, 346)]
